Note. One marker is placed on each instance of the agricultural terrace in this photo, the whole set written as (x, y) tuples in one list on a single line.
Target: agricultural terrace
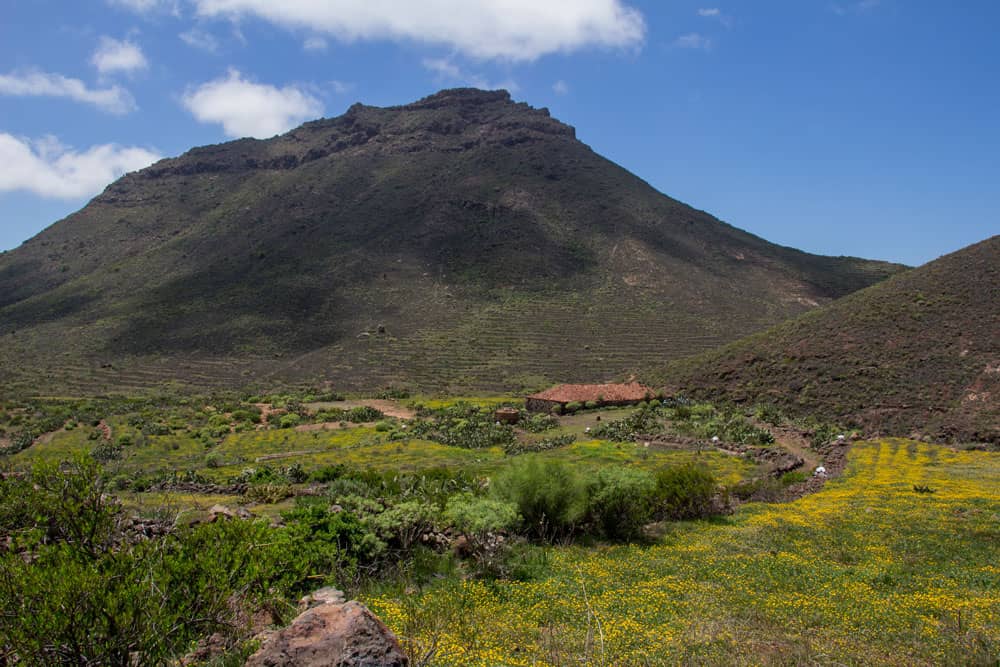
[(894, 563)]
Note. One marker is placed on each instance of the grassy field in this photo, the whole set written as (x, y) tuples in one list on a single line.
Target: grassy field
[(867, 571)]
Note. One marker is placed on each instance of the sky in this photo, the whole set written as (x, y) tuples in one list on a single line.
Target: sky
[(841, 127)]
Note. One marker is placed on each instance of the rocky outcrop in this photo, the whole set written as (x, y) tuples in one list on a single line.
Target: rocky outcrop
[(331, 633)]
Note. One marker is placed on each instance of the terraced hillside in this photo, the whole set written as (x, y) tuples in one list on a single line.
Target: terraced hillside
[(462, 241), (919, 353)]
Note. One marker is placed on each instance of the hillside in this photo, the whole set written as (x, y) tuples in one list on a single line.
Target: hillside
[(463, 240), (919, 353)]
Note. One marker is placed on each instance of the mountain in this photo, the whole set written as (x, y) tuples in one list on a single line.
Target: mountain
[(463, 240), (916, 354)]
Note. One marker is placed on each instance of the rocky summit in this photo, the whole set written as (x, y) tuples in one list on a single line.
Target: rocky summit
[(461, 241)]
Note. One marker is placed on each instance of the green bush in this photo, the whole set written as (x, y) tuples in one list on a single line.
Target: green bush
[(591, 405), (550, 496), (573, 406), (480, 520), (685, 492), (539, 423), (290, 420), (622, 502), (625, 429), (383, 426), (405, 522)]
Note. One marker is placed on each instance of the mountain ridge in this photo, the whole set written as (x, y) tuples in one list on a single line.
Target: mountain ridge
[(452, 242)]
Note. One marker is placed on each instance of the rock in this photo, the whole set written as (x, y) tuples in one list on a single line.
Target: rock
[(216, 511), (327, 595), (331, 635)]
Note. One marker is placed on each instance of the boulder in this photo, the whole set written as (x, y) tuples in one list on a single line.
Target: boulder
[(331, 634)]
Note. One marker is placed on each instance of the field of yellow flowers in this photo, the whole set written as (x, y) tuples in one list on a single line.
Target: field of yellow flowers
[(897, 562)]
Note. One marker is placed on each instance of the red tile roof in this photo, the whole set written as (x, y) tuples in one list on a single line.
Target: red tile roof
[(567, 393)]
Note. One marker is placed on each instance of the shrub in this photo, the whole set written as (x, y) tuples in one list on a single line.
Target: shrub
[(364, 414), (573, 406), (685, 492), (590, 405), (623, 430), (516, 447), (383, 426), (268, 494), (621, 502), (539, 423), (106, 452), (557, 409), (212, 460), (480, 519), (550, 496), (769, 414), (290, 420), (405, 522)]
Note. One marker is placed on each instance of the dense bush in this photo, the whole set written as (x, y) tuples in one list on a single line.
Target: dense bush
[(405, 522), (641, 422), (468, 427), (622, 502), (481, 520), (550, 496), (684, 492), (539, 423), (516, 447)]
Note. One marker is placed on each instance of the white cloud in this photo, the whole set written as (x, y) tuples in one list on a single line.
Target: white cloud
[(314, 44), (118, 56), (248, 109), (199, 39), (50, 169), (860, 7), (341, 87), (447, 72), (520, 30), (560, 87), (716, 14), (147, 6), (114, 99), (693, 40)]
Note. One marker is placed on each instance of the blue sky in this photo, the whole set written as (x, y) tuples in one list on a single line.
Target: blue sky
[(855, 127)]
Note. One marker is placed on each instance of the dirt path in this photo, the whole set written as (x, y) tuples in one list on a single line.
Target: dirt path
[(794, 442)]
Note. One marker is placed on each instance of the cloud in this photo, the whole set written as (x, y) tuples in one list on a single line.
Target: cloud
[(716, 14), (248, 109), (49, 169), (314, 44), (199, 39), (341, 87), (860, 7), (147, 6), (693, 40), (447, 72), (518, 30), (118, 56), (114, 99), (560, 87)]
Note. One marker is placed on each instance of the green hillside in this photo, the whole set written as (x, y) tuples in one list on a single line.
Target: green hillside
[(462, 241)]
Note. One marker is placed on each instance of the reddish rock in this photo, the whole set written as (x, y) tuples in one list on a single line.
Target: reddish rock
[(332, 635)]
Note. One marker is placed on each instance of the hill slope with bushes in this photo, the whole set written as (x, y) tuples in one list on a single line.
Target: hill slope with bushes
[(919, 353)]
